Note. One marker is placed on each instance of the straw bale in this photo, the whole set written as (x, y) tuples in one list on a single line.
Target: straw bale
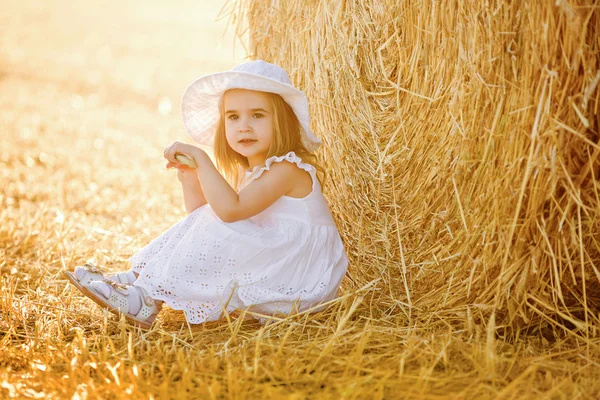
[(462, 144)]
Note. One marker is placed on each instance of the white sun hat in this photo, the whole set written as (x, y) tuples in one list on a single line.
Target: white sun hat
[(200, 101)]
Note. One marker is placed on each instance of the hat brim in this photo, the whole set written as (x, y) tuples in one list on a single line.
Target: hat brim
[(200, 103)]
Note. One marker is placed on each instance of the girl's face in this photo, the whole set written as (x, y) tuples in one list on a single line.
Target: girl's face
[(248, 123)]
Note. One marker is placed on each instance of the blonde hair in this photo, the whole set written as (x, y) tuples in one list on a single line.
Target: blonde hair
[(286, 137)]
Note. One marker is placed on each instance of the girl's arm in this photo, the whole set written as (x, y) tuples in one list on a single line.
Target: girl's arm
[(193, 197), (254, 198), (228, 205)]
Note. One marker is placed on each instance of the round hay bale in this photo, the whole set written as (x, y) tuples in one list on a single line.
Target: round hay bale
[(462, 145)]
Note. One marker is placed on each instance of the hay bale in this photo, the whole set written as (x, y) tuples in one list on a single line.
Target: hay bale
[(462, 143)]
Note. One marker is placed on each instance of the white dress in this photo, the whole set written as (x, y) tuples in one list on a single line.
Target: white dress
[(288, 257)]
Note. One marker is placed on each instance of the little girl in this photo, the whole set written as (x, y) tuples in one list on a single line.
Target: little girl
[(261, 237)]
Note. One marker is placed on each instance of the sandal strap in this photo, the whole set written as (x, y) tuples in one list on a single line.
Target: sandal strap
[(121, 287), (127, 277), (87, 273), (92, 268), (119, 298), (145, 296), (148, 308)]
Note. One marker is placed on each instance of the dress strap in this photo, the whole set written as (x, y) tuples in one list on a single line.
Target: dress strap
[(291, 157)]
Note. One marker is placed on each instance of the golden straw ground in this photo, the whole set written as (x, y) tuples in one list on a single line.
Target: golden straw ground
[(461, 142)]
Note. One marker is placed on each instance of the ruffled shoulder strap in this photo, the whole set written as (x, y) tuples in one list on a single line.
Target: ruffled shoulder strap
[(291, 157)]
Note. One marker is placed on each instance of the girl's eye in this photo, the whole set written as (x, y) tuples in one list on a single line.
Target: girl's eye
[(233, 115)]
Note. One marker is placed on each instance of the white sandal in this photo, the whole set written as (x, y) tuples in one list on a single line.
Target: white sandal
[(84, 275), (126, 278), (118, 301)]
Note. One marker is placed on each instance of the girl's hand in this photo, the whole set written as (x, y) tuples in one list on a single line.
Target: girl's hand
[(184, 148), (184, 173)]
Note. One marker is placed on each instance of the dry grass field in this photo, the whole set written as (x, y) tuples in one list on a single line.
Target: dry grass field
[(89, 99)]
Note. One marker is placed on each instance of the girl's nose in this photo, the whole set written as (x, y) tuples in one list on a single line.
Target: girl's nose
[(244, 126)]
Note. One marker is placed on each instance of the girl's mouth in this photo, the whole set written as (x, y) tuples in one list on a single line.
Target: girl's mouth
[(247, 142)]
